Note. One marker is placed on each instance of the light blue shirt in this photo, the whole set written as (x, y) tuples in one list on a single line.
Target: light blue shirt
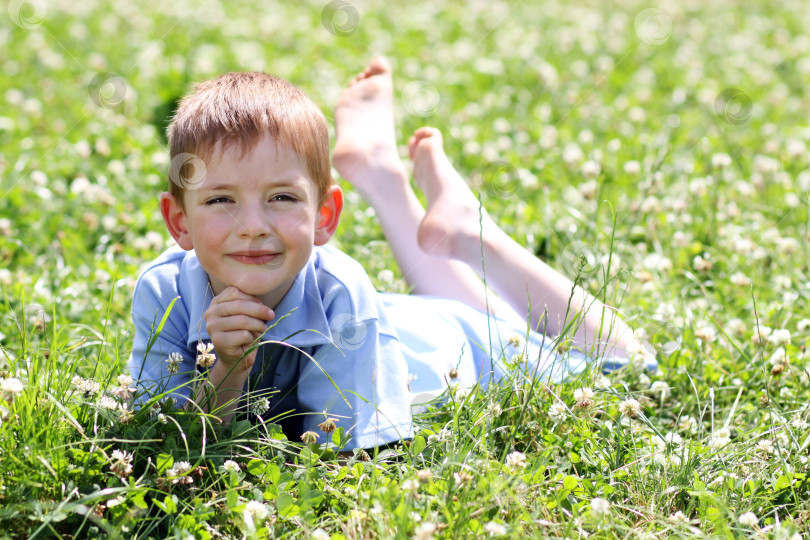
[(340, 353), (362, 356)]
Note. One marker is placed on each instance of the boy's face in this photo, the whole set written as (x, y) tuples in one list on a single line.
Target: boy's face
[(254, 219)]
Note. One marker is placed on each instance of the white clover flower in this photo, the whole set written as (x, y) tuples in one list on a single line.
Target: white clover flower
[(661, 389), (410, 485), (179, 473), (320, 534), (761, 334), (173, 362), (765, 446), (720, 438), (231, 466), (516, 460), (701, 264), (557, 412), (494, 529), (678, 517), (125, 414), (255, 511), (11, 388), (591, 169), (494, 409), (779, 336), (85, 386), (205, 355), (630, 407), (584, 397), (779, 357), (688, 424), (106, 402), (121, 463), (748, 519), (631, 167), (572, 154), (602, 381), (739, 279), (600, 507), (735, 327), (425, 531), (125, 380), (803, 325), (721, 160), (260, 406), (673, 438), (705, 332)]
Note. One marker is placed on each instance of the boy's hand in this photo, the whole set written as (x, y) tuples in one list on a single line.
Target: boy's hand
[(235, 320)]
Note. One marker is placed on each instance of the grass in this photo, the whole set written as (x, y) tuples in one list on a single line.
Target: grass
[(671, 142)]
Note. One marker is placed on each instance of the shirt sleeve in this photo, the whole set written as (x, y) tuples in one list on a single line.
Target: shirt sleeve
[(360, 380), (151, 349)]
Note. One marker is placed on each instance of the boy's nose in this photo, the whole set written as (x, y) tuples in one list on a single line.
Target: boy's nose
[(251, 223)]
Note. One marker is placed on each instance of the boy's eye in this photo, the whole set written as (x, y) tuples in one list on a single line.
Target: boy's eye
[(216, 200), (282, 197)]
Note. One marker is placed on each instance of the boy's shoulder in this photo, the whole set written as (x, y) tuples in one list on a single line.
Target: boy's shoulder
[(174, 273), (170, 267), (337, 283)]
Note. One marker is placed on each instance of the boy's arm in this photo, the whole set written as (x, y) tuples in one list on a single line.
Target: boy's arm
[(361, 381), (234, 321)]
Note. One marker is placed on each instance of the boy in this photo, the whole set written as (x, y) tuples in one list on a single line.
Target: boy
[(251, 205), (253, 217)]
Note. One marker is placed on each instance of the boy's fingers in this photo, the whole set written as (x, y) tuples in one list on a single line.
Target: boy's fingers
[(242, 322), (232, 293), (227, 308)]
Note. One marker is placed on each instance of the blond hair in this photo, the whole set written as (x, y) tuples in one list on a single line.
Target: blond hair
[(240, 108)]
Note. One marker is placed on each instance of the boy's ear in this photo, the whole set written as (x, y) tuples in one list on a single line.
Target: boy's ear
[(175, 220), (329, 215)]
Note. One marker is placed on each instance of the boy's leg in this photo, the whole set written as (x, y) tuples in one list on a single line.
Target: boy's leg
[(366, 155), (454, 227)]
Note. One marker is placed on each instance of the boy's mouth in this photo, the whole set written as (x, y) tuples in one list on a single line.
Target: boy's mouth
[(254, 257)]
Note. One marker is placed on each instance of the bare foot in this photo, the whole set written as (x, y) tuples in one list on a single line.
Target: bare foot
[(365, 152), (453, 224)]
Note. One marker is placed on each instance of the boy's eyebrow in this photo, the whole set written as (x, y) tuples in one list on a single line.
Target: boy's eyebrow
[(225, 185)]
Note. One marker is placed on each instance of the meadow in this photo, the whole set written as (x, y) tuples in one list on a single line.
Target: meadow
[(656, 152)]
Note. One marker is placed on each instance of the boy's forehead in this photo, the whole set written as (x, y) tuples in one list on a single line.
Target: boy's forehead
[(241, 148)]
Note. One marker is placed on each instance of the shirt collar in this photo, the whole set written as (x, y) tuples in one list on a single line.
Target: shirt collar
[(300, 318)]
